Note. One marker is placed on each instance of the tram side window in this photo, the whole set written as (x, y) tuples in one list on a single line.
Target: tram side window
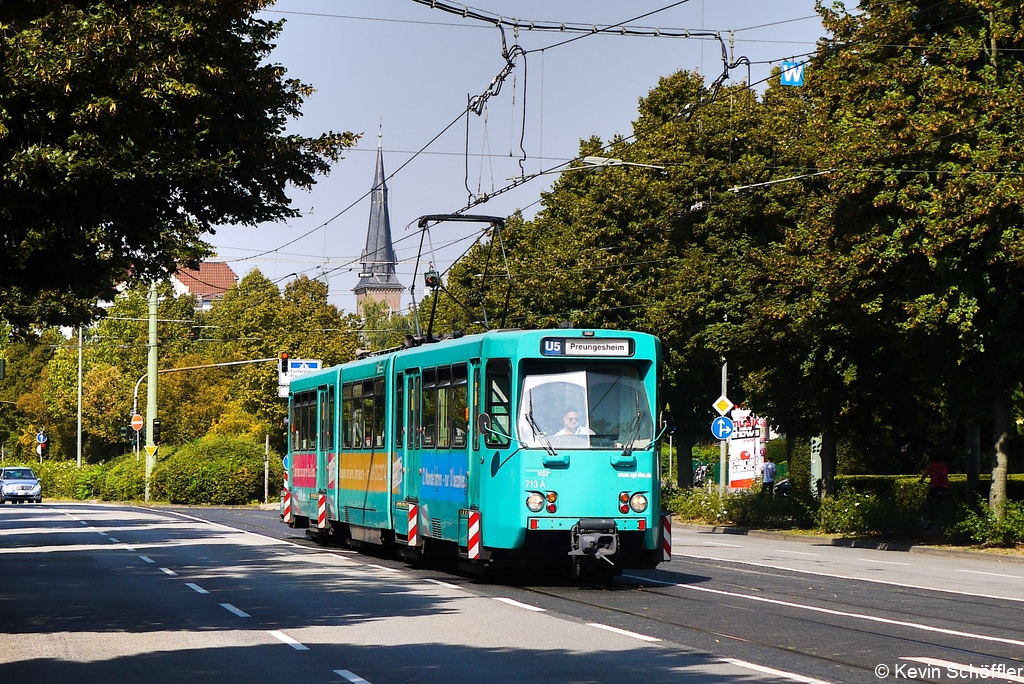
[(368, 406), (303, 421), (415, 412), (378, 412), (358, 411), (327, 421), (474, 426), (429, 413), (346, 415), (498, 403), (400, 411), (444, 404), (460, 406)]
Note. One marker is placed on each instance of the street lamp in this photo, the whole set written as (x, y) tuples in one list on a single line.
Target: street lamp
[(605, 162)]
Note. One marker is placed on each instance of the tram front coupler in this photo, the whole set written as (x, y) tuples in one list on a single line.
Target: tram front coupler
[(595, 538)]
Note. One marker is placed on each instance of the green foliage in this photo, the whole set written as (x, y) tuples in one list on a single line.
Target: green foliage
[(981, 525), (172, 108), (746, 509), (217, 470), (124, 479), (65, 480)]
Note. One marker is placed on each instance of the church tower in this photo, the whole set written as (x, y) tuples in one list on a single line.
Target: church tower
[(377, 280)]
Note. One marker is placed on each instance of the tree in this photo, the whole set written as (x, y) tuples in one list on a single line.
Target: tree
[(128, 132), (919, 106)]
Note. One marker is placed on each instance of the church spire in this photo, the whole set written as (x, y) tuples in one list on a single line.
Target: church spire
[(377, 279)]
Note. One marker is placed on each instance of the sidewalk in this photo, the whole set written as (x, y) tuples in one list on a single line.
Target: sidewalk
[(998, 555)]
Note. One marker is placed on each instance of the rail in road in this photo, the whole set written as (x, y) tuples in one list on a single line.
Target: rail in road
[(233, 595)]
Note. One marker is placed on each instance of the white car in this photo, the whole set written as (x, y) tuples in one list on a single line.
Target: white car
[(19, 484)]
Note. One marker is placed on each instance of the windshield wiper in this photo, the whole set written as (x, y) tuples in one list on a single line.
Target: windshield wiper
[(634, 430), (538, 432)]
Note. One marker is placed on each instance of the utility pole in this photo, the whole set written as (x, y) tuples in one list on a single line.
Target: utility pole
[(151, 388), (723, 473), (79, 396)]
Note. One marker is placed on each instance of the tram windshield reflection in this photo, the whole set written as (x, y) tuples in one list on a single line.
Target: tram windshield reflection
[(583, 406)]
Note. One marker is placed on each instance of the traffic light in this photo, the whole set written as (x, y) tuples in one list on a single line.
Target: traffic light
[(156, 432), (124, 433), (282, 363)]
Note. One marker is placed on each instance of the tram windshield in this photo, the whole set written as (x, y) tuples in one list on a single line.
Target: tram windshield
[(583, 406)]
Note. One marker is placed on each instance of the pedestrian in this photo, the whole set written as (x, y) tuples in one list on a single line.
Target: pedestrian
[(938, 480), (768, 477)]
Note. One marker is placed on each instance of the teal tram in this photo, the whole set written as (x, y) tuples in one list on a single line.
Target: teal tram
[(507, 449)]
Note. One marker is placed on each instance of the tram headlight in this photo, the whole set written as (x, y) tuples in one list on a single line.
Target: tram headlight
[(638, 502), (535, 501)]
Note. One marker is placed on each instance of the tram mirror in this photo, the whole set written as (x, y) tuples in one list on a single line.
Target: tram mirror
[(484, 423)]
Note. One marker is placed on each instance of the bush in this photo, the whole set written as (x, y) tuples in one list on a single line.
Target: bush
[(64, 479), (124, 479), (748, 509), (215, 470), (981, 526)]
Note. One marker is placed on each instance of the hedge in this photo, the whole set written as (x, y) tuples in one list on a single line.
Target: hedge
[(217, 470)]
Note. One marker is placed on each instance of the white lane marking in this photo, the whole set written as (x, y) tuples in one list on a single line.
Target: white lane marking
[(792, 676), (116, 541), (991, 574), (381, 567), (82, 522), (352, 677), (954, 670), (127, 548), (518, 604), (231, 609), (800, 553), (196, 588), (623, 632), (284, 638), (874, 560), (711, 543), (147, 559), (168, 571), (443, 584), (101, 532), (873, 580), (840, 613)]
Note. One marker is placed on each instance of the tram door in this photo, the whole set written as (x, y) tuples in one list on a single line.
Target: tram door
[(326, 455), (405, 475)]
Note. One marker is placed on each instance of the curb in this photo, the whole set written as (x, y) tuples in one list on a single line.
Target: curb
[(832, 540)]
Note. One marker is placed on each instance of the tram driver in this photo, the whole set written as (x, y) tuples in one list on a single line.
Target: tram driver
[(574, 433)]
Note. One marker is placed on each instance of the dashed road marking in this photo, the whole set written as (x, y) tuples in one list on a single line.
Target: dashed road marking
[(518, 604), (791, 676), (196, 588), (168, 571), (991, 574), (443, 584), (147, 559), (352, 677), (284, 638), (623, 632), (231, 609), (874, 560)]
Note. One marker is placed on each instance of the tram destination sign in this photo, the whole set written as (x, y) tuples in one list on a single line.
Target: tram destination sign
[(586, 346)]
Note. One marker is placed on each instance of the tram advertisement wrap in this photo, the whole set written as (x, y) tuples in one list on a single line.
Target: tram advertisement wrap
[(304, 470)]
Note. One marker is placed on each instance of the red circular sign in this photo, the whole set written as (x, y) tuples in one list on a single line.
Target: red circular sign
[(137, 422)]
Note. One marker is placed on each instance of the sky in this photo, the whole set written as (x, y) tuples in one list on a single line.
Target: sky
[(399, 72)]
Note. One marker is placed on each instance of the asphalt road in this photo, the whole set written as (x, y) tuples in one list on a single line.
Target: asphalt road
[(97, 593)]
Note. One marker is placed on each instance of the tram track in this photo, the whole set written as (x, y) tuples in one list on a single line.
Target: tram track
[(753, 640), (946, 599)]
